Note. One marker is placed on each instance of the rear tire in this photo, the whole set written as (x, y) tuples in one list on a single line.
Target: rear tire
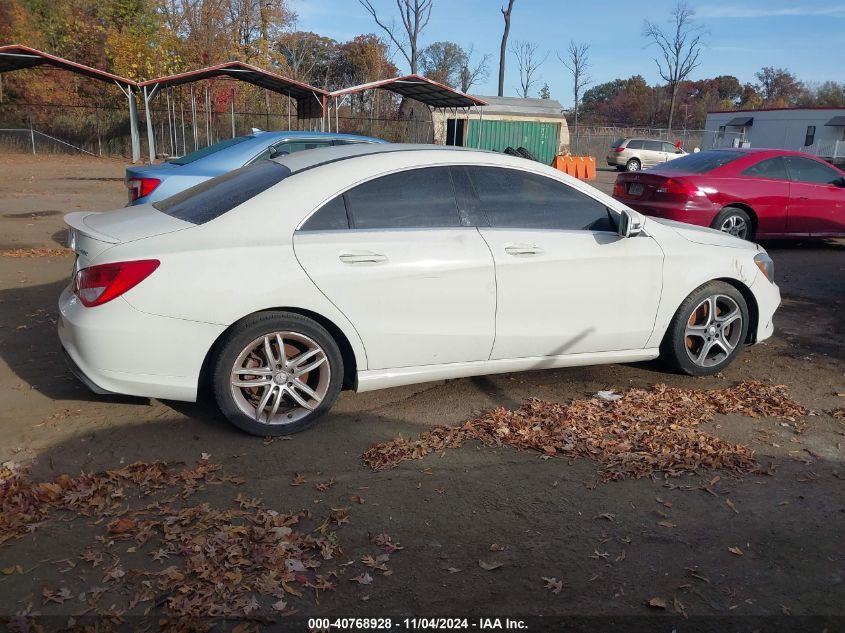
[(734, 221), (633, 165), (276, 373), (526, 154), (707, 331)]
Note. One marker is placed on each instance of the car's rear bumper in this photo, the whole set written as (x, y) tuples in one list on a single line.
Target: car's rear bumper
[(114, 348)]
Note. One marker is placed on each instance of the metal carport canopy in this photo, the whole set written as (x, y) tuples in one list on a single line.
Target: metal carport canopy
[(18, 57), (837, 121), (420, 89)]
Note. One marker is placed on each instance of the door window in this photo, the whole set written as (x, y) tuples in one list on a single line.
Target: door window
[(417, 198), (669, 147), (812, 171), (517, 199), (771, 169), (653, 146), (330, 217)]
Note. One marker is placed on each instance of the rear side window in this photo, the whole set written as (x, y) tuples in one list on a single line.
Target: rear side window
[(516, 199), (212, 198), (701, 162), (635, 144), (811, 171), (417, 198), (330, 217), (771, 169)]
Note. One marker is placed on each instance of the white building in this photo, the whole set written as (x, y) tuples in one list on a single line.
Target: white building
[(818, 131)]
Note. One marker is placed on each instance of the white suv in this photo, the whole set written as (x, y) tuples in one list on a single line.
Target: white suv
[(633, 154)]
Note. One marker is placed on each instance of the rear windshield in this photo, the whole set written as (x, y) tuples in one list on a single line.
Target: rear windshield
[(617, 143), (208, 151), (212, 198), (701, 162)]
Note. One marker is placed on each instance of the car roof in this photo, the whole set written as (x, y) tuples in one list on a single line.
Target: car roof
[(300, 161)]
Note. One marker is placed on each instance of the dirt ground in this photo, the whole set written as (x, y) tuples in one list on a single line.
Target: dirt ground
[(550, 516)]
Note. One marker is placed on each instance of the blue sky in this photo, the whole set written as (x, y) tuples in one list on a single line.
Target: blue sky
[(805, 36)]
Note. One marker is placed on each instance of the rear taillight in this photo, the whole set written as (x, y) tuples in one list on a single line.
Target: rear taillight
[(97, 285), (140, 187), (676, 187), (618, 149), (619, 189)]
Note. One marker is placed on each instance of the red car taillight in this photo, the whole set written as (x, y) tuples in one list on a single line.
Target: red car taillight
[(97, 285), (619, 189), (676, 187), (140, 187), (618, 149)]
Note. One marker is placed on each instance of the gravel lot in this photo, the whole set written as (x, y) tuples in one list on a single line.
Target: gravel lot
[(615, 546)]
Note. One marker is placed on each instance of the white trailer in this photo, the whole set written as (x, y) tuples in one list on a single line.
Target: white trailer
[(817, 131)]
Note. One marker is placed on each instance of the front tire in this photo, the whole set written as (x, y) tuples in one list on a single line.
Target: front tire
[(734, 221), (707, 331), (276, 373), (633, 165)]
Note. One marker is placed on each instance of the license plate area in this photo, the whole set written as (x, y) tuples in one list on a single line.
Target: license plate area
[(635, 189)]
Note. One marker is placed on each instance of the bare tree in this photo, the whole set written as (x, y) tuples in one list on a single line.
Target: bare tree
[(414, 15), (529, 61), (503, 50), (680, 48), (469, 74), (577, 61)]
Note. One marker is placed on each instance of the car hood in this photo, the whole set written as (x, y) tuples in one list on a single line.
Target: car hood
[(703, 235)]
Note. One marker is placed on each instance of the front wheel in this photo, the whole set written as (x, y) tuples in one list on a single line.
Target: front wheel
[(707, 331), (276, 373)]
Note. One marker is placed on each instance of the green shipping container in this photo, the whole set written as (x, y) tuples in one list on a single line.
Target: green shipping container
[(541, 139)]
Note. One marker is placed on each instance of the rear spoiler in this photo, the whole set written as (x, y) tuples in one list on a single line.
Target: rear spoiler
[(76, 220)]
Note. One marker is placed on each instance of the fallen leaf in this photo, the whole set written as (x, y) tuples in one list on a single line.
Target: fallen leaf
[(281, 605), (731, 505), (489, 566), (553, 584), (363, 579), (495, 547), (453, 570), (298, 480), (666, 524), (357, 499), (657, 603), (735, 550), (121, 526), (605, 515)]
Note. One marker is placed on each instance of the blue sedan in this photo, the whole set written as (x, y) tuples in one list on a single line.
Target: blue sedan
[(155, 182)]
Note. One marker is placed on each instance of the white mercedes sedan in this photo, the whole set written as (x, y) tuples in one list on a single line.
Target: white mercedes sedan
[(372, 266)]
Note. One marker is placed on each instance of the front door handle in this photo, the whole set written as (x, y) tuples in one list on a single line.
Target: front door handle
[(523, 249), (361, 257)]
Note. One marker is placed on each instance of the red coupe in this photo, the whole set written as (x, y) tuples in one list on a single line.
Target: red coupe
[(750, 193)]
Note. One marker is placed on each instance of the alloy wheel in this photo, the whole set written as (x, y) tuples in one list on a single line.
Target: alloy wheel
[(280, 377), (735, 225), (713, 330)]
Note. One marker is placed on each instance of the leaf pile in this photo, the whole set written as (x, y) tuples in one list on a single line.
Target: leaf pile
[(238, 562), (19, 253), (644, 432)]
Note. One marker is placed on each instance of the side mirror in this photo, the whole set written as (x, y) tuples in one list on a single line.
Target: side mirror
[(629, 224), (679, 151), (840, 183)]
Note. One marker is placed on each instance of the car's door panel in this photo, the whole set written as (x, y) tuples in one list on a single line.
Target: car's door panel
[(816, 204), (563, 291), (423, 295), (583, 292)]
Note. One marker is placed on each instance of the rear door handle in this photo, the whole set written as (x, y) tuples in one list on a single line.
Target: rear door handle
[(523, 249), (361, 257)]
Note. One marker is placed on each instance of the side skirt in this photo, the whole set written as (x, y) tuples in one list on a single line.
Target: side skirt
[(373, 379)]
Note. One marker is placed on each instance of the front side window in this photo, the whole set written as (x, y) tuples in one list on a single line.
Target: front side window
[(668, 147), (771, 169), (812, 171), (212, 198), (417, 198), (517, 199)]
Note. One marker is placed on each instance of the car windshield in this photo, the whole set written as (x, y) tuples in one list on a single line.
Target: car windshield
[(617, 143), (208, 151), (212, 198), (701, 162)]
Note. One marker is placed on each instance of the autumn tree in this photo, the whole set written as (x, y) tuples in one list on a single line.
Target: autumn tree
[(443, 62), (503, 49), (778, 87), (414, 15), (528, 60), (679, 49)]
